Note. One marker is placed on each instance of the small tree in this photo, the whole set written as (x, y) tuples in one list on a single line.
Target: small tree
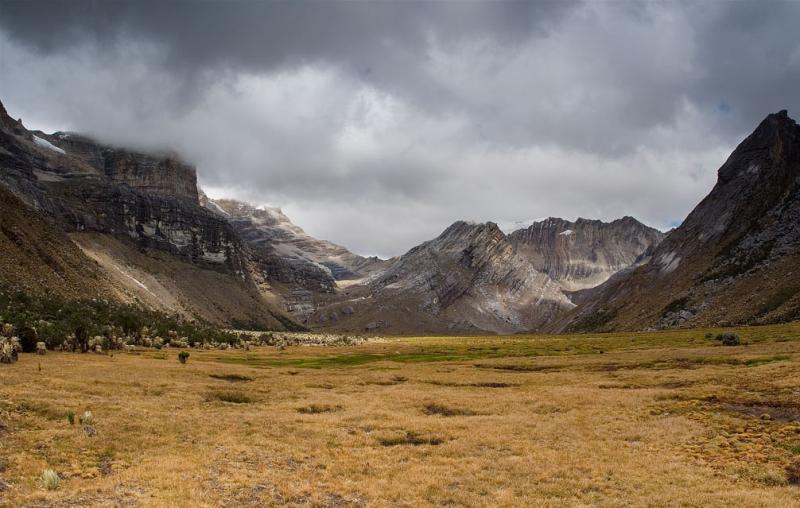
[(183, 356)]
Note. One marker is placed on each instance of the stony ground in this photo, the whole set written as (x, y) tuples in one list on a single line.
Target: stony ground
[(654, 419)]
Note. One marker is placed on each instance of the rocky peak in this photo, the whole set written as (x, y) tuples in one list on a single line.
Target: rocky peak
[(584, 253), (757, 186), (774, 141), (733, 258), (6, 122), (468, 234)]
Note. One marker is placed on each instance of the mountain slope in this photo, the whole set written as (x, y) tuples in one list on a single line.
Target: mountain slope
[(468, 279), (735, 257), (39, 258)]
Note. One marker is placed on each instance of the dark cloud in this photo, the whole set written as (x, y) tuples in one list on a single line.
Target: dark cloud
[(375, 124)]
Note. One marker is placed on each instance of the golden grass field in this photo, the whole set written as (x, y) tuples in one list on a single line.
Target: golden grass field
[(636, 419)]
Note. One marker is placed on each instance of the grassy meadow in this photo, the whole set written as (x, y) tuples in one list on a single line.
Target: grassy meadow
[(639, 419)]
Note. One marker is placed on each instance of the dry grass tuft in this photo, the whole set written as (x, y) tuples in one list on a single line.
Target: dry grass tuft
[(410, 438), (315, 409)]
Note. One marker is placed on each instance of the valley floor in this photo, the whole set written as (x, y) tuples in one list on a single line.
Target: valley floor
[(637, 419)]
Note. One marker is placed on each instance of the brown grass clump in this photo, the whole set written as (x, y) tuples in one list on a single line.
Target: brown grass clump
[(229, 396), (440, 410)]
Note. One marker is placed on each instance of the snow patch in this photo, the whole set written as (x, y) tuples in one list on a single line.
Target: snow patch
[(566, 232), (43, 143)]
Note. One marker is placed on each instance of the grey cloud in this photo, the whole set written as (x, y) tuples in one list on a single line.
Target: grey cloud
[(377, 124)]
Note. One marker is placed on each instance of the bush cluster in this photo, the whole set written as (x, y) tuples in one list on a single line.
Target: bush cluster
[(97, 323), (728, 339)]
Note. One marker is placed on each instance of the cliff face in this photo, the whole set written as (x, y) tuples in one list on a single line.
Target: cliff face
[(151, 203), (585, 253), (154, 174), (90, 187), (734, 258)]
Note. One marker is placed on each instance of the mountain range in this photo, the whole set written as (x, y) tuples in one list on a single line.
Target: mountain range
[(84, 219)]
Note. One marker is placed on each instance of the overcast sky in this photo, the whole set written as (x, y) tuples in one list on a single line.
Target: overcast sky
[(376, 125)]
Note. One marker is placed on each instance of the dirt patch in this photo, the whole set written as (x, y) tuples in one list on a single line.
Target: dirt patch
[(520, 368), (233, 378)]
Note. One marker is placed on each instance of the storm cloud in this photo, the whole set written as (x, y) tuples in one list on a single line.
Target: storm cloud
[(377, 124)]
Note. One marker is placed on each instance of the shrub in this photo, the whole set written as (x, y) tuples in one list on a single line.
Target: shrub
[(729, 339), (71, 417), (28, 339), (50, 479), (793, 472), (183, 356)]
